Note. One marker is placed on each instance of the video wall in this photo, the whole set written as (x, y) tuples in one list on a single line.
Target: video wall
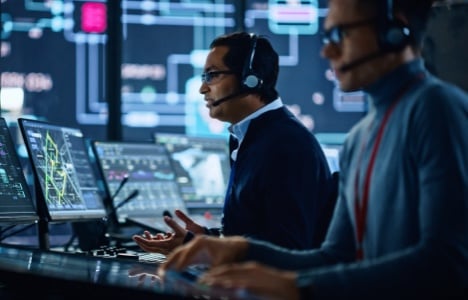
[(53, 63)]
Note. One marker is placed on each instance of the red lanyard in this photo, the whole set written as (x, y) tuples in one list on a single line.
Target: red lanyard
[(360, 207)]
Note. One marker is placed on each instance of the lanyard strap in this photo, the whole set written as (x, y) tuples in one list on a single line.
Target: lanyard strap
[(360, 207)]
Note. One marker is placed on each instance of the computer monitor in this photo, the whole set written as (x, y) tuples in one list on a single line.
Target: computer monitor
[(16, 202), (202, 167), (332, 154), (138, 168), (65, 183), (332, 144)]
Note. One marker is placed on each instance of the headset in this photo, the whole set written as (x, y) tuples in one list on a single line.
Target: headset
[(393, 34), (250, 80)]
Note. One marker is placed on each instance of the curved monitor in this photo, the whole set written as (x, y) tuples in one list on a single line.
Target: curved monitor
[(332, 154), (66, 184), (16, 203), (202, 167)]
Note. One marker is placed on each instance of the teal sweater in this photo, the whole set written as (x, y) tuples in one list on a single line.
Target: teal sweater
[(416, 235)]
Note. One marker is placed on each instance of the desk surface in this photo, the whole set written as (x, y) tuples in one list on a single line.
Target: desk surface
[(37, 272)]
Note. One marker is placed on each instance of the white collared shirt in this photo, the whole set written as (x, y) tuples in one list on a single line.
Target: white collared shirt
[(239, 129)]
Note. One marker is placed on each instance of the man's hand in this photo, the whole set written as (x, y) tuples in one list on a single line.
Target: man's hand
[(254, 278), (162, 242), (190, 225), (166, 242), (206, 250)]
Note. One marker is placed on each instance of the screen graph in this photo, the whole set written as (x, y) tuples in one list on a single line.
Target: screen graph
[(141, 169), (63, 171), (16, 202)]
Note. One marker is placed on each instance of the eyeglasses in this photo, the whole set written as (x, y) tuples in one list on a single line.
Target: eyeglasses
[(207, 77), (335, 34)]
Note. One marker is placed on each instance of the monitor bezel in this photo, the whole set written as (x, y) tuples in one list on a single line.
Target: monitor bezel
[(53, 215), (122, 217), (22, 217)]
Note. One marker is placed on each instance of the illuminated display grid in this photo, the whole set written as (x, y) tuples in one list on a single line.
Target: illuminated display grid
[(16, 202), (63, 171), (55, 52), (149, 172)]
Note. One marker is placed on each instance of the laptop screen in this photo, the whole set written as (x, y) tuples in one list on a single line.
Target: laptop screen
[(141, 169), (68, 187), (202, 167), (16, 203)]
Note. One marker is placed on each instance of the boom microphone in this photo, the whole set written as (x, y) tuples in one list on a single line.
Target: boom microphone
[(121, 185), (128, 199), (111, 217), (226, 98), (360, 61)]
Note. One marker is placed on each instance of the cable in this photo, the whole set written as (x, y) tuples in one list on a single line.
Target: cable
[(14, 232)]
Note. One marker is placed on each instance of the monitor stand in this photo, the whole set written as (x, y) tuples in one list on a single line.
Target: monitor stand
[(43, 234), (94, 234), (42, 224), (90, 234)]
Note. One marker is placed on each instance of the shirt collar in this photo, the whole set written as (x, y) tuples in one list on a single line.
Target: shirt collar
[(239, 129), (383, 90)]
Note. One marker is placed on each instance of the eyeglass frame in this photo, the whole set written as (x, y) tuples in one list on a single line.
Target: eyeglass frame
[(334, 35), (207, 77)]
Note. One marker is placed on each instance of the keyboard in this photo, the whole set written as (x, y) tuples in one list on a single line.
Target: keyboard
[(152, 258), (124, 253)]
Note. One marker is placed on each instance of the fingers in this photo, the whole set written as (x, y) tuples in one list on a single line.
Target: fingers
[(268, 282), (159, 246), (230, 271), (227, 276), (207, 250), (146, 242), (162, 236), (143, 243), (178, 230), (162, 242), (181, 215), (174, 262), (159, 236), (182, 257)]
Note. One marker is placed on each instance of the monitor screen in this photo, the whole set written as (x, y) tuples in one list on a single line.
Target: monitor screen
[(63, 173), (128, 167), (16, 203), (202, 167), (332, 153)]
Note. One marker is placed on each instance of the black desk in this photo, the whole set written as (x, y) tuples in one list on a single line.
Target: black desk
[(56, 275)]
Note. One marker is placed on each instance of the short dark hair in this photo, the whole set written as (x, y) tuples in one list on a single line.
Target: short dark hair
[(417, 13), (265, 62)]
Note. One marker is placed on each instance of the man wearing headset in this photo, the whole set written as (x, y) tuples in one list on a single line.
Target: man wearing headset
[(280, 178), (400, 227)]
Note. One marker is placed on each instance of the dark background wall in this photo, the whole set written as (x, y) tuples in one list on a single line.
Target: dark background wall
[(55, 53), (447, 42)]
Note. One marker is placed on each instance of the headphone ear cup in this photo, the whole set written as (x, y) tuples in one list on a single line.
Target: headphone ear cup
[(251, 81), (394, 36)]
